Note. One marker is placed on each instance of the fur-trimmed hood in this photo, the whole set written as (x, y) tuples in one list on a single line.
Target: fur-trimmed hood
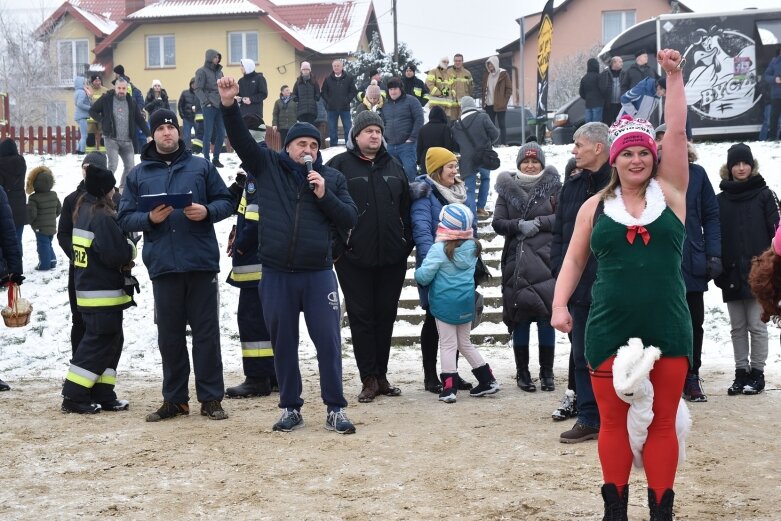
[(39, 179), (725, 174), (419, 188), (517, 197)]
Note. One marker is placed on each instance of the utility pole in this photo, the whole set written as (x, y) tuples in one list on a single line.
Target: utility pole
[(395, 35)]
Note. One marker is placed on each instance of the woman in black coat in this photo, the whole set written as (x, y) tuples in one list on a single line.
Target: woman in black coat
[(524, 214), (435, 133), (591, 91), (12, 171)]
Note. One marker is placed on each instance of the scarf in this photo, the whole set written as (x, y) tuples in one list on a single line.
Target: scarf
[(454, 194), (527, 181), (447, 234)]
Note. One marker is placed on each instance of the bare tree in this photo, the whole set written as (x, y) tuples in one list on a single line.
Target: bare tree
[(566, 74), (26, 71)]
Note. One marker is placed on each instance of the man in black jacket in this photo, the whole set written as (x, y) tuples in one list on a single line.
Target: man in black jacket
[(119, 116), (338, 92), (373, 262), (591, 153), (300, 208), (639, 71), (610, 81)]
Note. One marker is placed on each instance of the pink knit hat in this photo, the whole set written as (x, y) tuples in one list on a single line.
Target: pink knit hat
[(628, 132), (777, 241)]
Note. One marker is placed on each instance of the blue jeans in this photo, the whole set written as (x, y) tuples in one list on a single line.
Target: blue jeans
[(46, 257), (546, 335), (212, 122), (471, 187), (588, 414), (187, 127), (405, 153), (594, 114), (83, 131), (763, 133), (333, 125)]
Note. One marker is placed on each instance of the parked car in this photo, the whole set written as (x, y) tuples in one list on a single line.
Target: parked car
[(567, 119), (514, 120)]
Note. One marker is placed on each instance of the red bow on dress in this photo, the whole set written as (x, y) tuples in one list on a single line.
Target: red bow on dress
[(632, 231)]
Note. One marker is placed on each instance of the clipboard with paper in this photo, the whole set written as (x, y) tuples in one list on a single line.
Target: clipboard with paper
[(149, 202)]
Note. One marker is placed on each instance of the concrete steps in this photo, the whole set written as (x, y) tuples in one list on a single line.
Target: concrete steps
[(491, 331)]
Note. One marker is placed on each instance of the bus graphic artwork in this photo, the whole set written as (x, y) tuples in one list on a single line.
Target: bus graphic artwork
[(722, 77)]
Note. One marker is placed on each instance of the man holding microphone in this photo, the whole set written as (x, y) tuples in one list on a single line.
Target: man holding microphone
[(300, 208)]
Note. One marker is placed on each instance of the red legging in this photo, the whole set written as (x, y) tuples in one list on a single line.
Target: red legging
[(660, 453)]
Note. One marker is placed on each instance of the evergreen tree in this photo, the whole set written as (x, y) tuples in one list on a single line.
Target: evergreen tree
[(362, 62)]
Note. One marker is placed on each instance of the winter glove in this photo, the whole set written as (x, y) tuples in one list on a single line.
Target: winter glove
[(12, 278), (131, 284), (529, 228), (713, 267)]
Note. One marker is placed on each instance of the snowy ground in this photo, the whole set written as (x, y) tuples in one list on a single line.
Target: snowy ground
[(496, 458), (42, 349)]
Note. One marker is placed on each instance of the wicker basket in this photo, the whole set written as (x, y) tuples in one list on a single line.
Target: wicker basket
[(18, 311)]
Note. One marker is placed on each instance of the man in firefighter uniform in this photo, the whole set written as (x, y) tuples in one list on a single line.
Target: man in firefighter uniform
[(461, 85), (101, 259), (257, 356), (439, 83)]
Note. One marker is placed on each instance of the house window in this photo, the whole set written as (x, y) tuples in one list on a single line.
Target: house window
[(72, 59), (56, 114), (242, 45), (160, 51), (616, 22)]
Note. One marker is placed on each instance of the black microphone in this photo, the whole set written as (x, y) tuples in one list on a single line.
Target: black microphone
[(308, 163)]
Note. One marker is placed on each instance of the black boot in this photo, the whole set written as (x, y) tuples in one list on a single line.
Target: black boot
[(449, 387), (546, 368), (252, 386), (741, 379), (615, 504), (662, 511), (755, 382), (4, 386), (522, 377), (487, 384)]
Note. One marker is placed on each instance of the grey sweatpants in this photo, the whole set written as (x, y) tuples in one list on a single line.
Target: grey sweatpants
[(744, 321), (116, 149)]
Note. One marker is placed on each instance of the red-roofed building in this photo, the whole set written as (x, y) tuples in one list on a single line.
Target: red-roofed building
[(166, 39)]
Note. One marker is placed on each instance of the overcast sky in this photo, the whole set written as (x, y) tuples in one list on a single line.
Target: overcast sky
[(432, 29)]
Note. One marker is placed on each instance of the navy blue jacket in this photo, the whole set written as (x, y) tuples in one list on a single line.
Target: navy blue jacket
[(772, 72), (246, 266), (403, 119), (176, 245), (576, 189), (100, 250), (10, 253), (703, 232), (296, 229)]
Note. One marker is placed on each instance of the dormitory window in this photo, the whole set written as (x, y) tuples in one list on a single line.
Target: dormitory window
[(160, 51), (72, 59), (242, 45), (616, 22)]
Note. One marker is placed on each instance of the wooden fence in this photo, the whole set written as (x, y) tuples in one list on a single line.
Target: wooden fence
[(37, 140)]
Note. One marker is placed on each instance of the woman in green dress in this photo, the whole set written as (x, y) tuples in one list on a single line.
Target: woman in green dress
[(635, 228)]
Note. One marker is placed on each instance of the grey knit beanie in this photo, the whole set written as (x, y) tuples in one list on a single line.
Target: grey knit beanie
[(530, 150), (468, 103), (365, 119)]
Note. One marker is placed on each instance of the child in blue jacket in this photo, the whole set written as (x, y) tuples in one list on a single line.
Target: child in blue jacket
[(449, 271)]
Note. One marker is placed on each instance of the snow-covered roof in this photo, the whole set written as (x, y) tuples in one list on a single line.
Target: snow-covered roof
[(103, 24), (180, 8), (327, 27)]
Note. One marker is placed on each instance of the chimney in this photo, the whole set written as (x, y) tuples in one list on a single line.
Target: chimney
[(131, 6)]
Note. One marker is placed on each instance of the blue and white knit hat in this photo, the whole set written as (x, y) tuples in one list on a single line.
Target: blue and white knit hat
[(456, 216)]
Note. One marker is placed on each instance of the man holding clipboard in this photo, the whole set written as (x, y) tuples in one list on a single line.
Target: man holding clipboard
[(182, 256)]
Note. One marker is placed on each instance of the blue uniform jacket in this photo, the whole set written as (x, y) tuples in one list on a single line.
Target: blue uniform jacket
[(246, 265), (451, 293), (296, 229), (176, 245)]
